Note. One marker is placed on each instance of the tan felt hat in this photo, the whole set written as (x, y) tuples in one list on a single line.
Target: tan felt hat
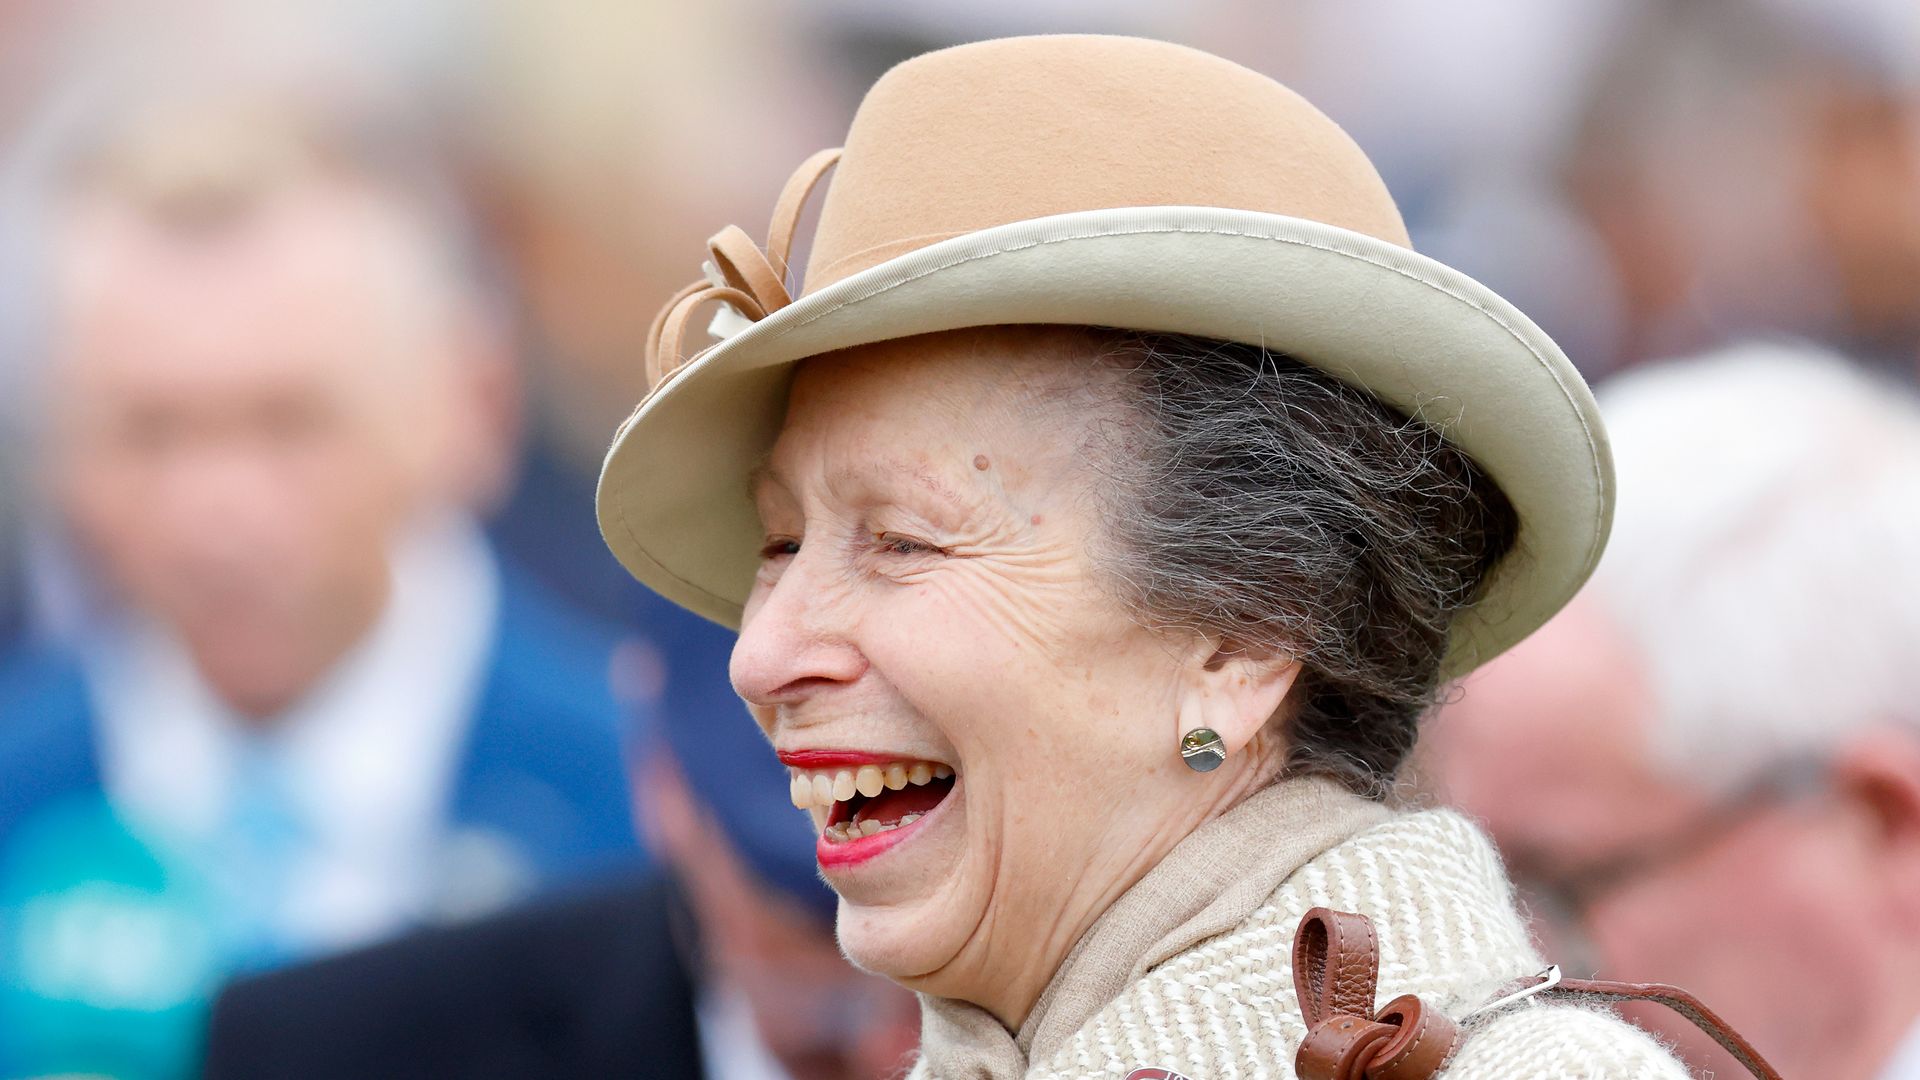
[(1101, 181)]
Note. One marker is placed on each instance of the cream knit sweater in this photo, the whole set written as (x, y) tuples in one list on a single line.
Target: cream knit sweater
[(1191, 970)]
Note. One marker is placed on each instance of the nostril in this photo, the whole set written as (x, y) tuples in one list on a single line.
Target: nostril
[(801, 688)]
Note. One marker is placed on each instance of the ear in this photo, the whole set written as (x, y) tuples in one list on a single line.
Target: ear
[(1878, 771), (1233, 690)]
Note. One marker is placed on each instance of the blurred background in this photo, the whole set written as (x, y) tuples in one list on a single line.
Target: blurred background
[(316, 319)]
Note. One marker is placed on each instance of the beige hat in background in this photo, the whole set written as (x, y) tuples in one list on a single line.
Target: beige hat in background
[(1100, 181)]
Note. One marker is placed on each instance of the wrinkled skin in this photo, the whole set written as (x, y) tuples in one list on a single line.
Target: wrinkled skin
[(930, 590)]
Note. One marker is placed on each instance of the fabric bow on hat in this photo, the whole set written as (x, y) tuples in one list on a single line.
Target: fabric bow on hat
[(751, 283)]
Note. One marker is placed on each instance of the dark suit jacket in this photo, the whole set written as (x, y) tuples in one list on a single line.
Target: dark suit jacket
[(588, 986)]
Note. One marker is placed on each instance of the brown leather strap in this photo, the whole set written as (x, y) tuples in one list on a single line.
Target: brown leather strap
[(1339, 1048), (1336, 963), (1695, 1011), (1422, 1042), (1336, 966)]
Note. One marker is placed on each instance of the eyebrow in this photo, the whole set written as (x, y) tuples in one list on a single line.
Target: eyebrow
[(929, 481), (760, 476)]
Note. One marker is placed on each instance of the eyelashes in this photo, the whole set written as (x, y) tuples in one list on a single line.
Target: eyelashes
[(897, 544), (883, 543)]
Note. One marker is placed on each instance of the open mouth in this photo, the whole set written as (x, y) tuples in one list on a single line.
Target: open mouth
[(854, 802)]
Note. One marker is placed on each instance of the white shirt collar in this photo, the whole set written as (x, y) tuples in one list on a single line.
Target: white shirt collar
[(367, 757), (730, 1044)]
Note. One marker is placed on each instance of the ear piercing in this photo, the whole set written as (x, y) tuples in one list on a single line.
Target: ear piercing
[(1202, 750)]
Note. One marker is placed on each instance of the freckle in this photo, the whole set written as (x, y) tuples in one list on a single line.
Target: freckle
[(980, 462)]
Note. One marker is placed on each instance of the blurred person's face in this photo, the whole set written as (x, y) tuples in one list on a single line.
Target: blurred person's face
[(1862, 187), (246, 411), (1783, 907), (820, 1017)]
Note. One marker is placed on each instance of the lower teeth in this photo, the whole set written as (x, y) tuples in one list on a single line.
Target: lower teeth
[(841, 832)]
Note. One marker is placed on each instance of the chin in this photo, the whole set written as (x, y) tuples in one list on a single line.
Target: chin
[(909, 913), (871, 945), (895, 843), (905, 943), (253, 681)]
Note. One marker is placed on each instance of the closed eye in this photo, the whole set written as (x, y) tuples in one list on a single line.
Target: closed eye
[(896, 544)]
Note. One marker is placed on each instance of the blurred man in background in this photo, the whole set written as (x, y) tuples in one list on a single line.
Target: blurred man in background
[(726, 968), (1707, 771), (304, 707)]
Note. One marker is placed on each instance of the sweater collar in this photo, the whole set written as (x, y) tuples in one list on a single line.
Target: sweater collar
[(1209, 883)]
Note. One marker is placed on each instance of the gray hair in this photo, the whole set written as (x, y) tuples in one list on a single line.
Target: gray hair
[(1765, 557), (1269, 502)]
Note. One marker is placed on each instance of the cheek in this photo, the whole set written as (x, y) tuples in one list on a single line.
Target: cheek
[(99, 502), (1748, 931), (1745, 927), (360, 482), (1025, 671)]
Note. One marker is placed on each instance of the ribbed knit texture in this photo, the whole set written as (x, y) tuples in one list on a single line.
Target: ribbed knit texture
[(1225, 1009)]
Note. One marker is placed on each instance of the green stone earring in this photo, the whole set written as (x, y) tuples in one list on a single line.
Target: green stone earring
[(1202, 750)]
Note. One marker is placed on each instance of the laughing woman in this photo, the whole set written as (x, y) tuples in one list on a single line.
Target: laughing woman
[(1099, 522)]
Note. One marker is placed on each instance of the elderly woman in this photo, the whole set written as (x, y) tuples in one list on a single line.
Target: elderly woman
[(1099, 523)]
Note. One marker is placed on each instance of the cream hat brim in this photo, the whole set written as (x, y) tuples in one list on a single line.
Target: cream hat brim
[(673, 499)]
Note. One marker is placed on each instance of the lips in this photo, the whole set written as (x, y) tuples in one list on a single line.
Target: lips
[(864, 804)]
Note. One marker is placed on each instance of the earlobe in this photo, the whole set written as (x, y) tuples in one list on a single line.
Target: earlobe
[(1234, 693)]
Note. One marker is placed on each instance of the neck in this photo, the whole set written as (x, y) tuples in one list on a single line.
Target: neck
[(1010, 961), (1206, 890)]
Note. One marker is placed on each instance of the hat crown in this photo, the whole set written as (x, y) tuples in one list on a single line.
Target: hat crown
[(1013, 129)]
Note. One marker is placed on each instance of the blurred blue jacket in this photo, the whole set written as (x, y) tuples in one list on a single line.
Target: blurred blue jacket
[(110, 950), (542, 767)]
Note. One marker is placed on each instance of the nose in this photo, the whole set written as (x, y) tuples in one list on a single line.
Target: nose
[(797, 639)]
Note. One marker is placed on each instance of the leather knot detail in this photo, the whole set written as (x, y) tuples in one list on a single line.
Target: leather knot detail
[(1336, 961), (749, 281), (1336, 964), (1422, 1041)]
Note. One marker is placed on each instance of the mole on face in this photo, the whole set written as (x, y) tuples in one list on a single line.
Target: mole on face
[(980, 462)]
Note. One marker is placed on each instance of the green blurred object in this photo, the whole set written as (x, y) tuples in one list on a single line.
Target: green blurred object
[(108, 951)]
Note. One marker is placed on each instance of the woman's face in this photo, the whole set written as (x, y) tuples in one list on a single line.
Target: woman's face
[(985, 737)]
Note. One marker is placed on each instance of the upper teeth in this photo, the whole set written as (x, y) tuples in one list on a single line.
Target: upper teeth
[(822, 788)]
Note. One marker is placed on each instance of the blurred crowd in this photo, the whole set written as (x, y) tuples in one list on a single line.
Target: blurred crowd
[(334, 742)]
